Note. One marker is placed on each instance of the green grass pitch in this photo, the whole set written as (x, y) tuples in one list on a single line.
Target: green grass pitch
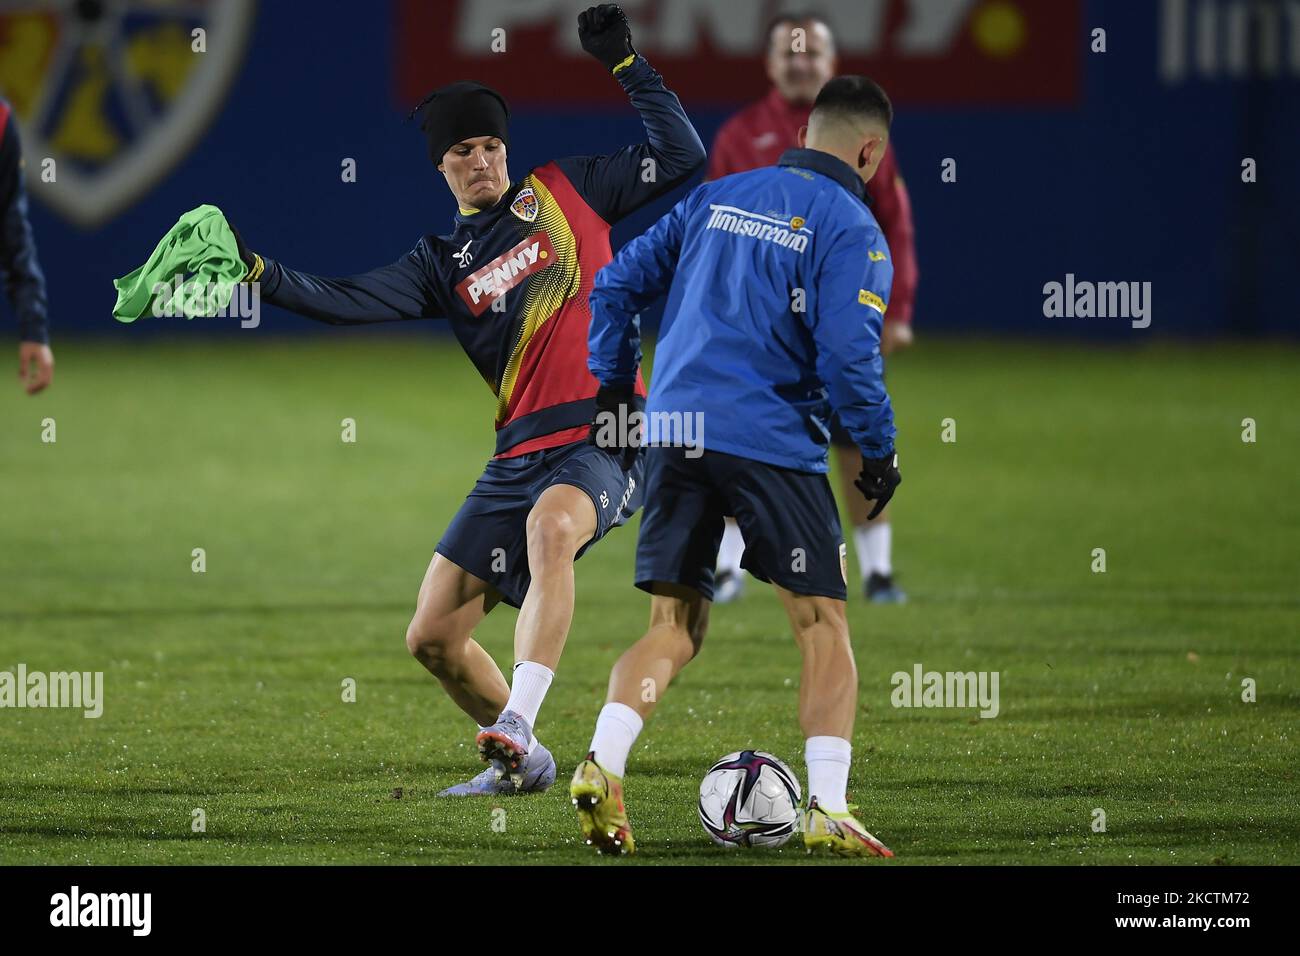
[(1120, 691)]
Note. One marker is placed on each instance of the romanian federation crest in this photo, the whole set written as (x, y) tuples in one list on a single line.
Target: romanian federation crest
[(525, 204)]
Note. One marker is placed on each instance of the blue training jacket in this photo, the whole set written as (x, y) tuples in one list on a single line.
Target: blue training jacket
[(777, 281)]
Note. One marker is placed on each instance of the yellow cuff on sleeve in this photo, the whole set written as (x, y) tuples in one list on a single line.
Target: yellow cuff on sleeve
[(624, 65)]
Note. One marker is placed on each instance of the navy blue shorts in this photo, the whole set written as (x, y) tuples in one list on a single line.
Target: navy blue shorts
[(488, 536), (788, 519)]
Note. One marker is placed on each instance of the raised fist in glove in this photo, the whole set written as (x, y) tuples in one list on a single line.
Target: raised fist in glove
[(605, 34)]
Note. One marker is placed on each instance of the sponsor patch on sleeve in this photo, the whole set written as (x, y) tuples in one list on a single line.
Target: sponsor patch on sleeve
[(875, 255), (870, 298)]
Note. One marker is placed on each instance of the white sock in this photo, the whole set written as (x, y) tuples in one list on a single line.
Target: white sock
[(528, 686), (874, 543), (828, 771), (617, 728), (732, 548)]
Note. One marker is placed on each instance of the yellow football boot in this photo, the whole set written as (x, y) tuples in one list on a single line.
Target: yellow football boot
[(841, 833), (598, 796)]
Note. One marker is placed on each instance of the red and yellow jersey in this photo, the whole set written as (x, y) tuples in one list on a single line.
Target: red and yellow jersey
[(513, 280), (520, 278)]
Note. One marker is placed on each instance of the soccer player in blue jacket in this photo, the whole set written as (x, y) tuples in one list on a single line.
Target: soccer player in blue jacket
[(777, 282)]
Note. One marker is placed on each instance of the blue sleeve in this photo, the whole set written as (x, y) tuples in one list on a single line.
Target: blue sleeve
[(617, 184), (20, 272), (640, 273), (392, 293), (852, 280)]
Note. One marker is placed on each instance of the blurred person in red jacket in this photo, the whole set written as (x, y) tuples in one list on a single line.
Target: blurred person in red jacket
[(800, 59)]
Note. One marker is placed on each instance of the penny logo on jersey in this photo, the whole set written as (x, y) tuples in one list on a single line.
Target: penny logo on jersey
[(512, 267)]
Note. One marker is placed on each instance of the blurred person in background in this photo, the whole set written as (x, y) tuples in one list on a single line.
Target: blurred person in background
[(19, 270), (800, 59)]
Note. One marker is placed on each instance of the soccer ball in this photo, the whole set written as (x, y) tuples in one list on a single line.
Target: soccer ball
[(750, 798)]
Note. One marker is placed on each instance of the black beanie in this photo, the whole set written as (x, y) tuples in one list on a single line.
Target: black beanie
[(462, 111)]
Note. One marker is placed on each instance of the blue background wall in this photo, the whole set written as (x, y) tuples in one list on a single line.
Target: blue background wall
[(1140, 183)]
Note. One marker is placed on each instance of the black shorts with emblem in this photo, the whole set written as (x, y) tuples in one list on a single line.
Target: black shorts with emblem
[(788, 519), (488, 537)]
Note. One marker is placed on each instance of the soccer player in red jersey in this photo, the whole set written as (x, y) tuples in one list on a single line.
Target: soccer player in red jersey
[(512, 280)]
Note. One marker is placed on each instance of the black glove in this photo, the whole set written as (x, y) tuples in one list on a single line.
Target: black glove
[(604, 33), (612, 428), (878, 480), (250, 259)]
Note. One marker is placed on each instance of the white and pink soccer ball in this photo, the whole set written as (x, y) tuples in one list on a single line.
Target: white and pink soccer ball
[(750, 798)]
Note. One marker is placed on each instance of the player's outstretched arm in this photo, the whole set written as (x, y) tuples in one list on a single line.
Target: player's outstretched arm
[(640, 273), (619, 183), (852, 296), (398, 292), (853, 278)]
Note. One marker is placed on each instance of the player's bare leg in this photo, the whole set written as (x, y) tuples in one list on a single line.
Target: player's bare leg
[(849, 461), (451, 604), (828, 699), (679, 618), (828, 687), (678, 621), (561, 522), (872, 539)]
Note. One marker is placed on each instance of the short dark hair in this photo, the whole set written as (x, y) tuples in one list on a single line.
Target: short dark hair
[(794, 17), (854, 97)]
